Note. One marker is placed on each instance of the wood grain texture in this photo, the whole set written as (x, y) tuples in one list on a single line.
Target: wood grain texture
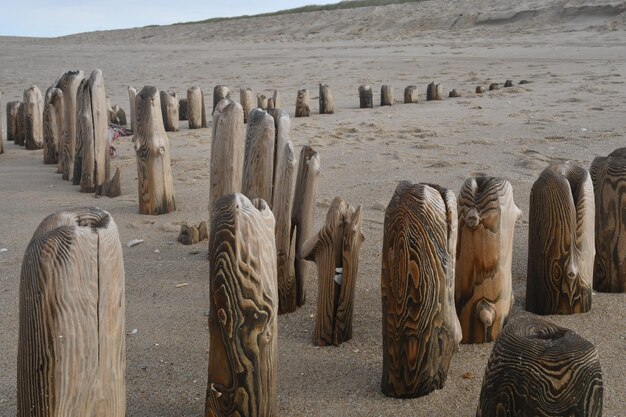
[(302, 104), (366, 100), (327, 103), (484, 283), (68, 84), (243, 325), (302, 214), (258, 167), (335, 250), (220, 92), (561, 244), (609, 183), (420, 328), (410, 94), (539, 369), (169, 110), (276, 99), (247, 99), (53, 121), (132, 95), (434, 92), (33, 118), (13, 108), (196, 113), (182, 109), (386, 95), (71, 355), (152, 148)]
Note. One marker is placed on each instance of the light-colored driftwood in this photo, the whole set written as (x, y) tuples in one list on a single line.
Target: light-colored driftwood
[(182, 109), (169, 110), (196, 113), (276, 99), (302, 104), (243, 310), (386, 95), (132, 94), (335, 249), (484, 283), (117, 116), (421, 331), (327, 104), (366, 100), (410, 94), (561, 244), (261, 101), (540, 369), (258, 167), (246, 97), (434, 91), (227, 151), (71, 351), (53, 121), (220, 92), (13, 108), (68, 84), (609, 184), (33, 118), (154, 169)]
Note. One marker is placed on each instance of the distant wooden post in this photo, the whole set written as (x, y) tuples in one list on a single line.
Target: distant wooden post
[(169, 110), (484, 283), (609, 183), (33, 118), (243, 304), (246, 97), (537, 368), (494, 86), (1, 140), (410, 94), (335, 250), (196, 113), (68, 84), (13, 108), (182, 109), (302, 104), (365, 97), (270, 104), (434, 92), (71, 348), (227, 151), (386, 95), (561, 244), (53, 121), (154, 169), (327, 104), (258, 167), (220, 92), (276, 99), (420, 329), (508, 83), (132, 94), (480, 89), (261, 101), (21, 130), (454, 93), (302, 214)]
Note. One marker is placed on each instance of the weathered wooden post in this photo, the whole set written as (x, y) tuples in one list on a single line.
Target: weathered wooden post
[(246, 97), (327, 104), (68, 84), (227, 151), (434, 92), (53, 121), (540, 369), (609, 184), (196, 112), (421, 331), (335, 250), (386, 95), (480, 89), (302, 104), (132, 95), (243, 304), (154, 169), (261, 101), (494, 86), (220, 92), (33, 118), (508, 83), (182, 109), (169, 110), (71, 351), (410, 94), (1, 140), (484, 283), (366, 100), (276, 99), (13, 108), (258, 167), (454, 93), (561, 244), (21, 130)]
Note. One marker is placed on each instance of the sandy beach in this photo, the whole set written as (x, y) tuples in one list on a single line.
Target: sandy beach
[(573, 52)]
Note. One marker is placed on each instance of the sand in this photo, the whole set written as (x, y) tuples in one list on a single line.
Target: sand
[(574, 52)]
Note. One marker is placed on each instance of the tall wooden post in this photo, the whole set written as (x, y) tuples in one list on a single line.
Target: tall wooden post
[(434, 92), (561, 244), (1, 140), (13, 108), (243, 304), (302, 104), (220, 92), (276, 99), (366, 100), (182, 109), (21, 130), (196, 113), (410, 94), (261, 101), (154, 169), (386, 95), (258, 167), (420, 329), (33, 118), (540, 369), (335, 250), (169, 110), (484, 283), (68, 84), (327, 104), (609, 184), (71, 351), (132, 94), (53, 121), (246, 97)]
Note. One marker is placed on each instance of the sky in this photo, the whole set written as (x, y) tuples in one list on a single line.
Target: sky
[(49, 18)]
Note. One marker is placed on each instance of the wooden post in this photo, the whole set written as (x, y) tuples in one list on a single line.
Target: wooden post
[(276, 99), (537, 368), (609, 184), (420, 329), (258, 167), (434, 92), (335, 250), (302, 214), (169, 110), (21, 134), (561, 245), (243, 303), (182, 109), (1, 140), (261, 101), (71, 348), (410, 94), (196, 113), (246, 97), (386, 95), (494, 86), (270, 104), (480, 89), (132, 95), (53, 115), (508, 83), (220, 92), (227, 151), (154, 170), (117, 115), (302, 104), (327, 105), (33, 118), (454, 93), (68, 84), (484, 283), (365, 97), (13, 108)]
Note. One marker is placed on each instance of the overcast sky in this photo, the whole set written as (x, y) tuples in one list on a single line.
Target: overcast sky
[(63, 17)]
